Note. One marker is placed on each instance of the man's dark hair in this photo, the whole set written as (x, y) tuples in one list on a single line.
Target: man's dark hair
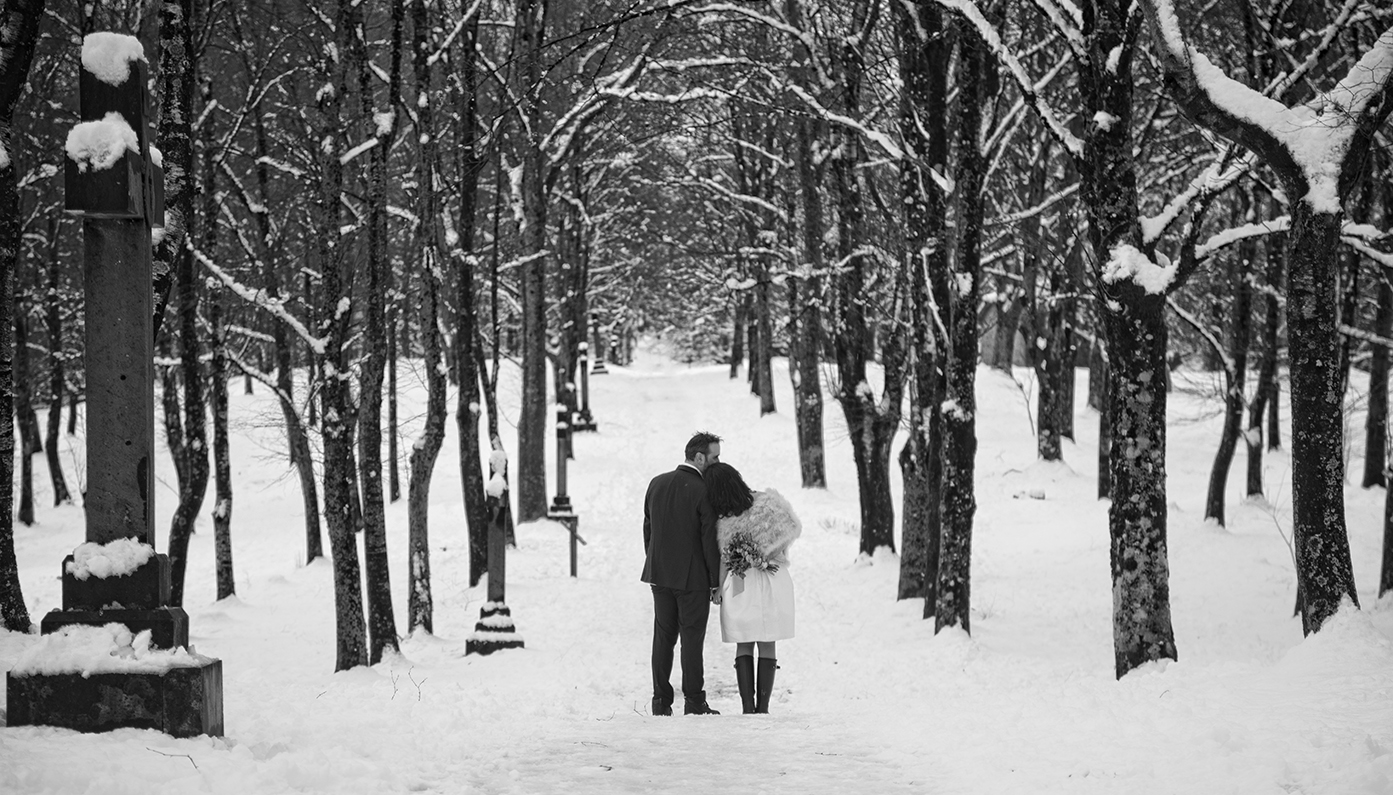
[(700, 443)]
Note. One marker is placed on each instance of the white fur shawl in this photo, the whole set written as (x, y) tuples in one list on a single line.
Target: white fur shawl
[(770, 523)]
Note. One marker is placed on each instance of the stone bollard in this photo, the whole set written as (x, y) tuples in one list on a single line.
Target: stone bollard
[(495, 629), (584, 422), (116, 655)]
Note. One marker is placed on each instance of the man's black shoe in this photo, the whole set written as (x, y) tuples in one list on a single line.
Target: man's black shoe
[(661, 707), (698, 708)]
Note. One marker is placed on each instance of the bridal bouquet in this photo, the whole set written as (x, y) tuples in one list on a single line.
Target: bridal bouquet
[(743, 554)]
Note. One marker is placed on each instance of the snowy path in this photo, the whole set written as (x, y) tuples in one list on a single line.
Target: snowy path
[(868, 699)]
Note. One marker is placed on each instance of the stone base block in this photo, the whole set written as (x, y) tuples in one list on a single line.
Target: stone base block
[(146, 587), (483, 644), (183, 702), (493, 632), (169, 626)]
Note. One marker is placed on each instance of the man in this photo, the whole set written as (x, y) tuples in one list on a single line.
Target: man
[(682, 566)]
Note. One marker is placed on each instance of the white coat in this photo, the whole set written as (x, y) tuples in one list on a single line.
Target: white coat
[(758, 606)]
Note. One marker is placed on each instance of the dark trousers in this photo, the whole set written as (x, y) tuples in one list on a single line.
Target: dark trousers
[(679, 613)]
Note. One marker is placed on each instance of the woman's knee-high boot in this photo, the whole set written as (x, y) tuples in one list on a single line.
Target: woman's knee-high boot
[(745, 678), (765, 683)]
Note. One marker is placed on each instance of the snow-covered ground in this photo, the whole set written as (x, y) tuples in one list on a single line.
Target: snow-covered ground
[(868, 699)]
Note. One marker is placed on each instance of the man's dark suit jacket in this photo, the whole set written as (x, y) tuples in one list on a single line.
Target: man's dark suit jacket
[(679, 533)]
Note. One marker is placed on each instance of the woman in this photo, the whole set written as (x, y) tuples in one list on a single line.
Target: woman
[(754, 530)]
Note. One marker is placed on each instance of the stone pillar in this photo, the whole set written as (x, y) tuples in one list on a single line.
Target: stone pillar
[(117, 188), (495, 629), (584, 422), (599, 336), (561, 510)]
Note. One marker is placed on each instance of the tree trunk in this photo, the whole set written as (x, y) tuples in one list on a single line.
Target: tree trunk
[(976, 77), (393, 428), (382, 625), (1376, 423), (16, 53), (1097, 371), (56, 371), (805, 326), (1008, 323), (13, 611), (1324, 571), (737, 337), (924, 51), (281, 347), (1137, 518), (871, 423), (1385, 577), (479, 543), (73, 400), (1235, 372), (468, 353), (178, 73), (336, 287), (1266, 387), (532, 424), (222, 452), (871, 438), (1136, 338), (222, 455), (420, 603), (24, 410), (764, 378)]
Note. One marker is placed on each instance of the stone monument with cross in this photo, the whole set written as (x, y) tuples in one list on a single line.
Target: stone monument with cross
[(117, 654), (495, 629)]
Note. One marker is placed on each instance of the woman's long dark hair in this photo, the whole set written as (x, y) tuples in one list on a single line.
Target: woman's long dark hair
[(727, 490)]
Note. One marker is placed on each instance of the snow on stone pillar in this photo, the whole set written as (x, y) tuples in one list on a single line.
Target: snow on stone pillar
[(598, 334), (110, 182), (585, 422), (495, 629), (117, 654)]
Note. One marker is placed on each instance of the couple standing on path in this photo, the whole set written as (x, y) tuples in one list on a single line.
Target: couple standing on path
[(710, 539)]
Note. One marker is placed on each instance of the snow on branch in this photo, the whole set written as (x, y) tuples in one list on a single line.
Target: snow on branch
[(1068, 20), (1042, 207), (1215, 179), (1128, 263), (256, 374), (968, 10), (686, 95), (347, 157), (1206, 332), (450, 39), (1312, 141), (258, 297), (803, 37), (1286, 80), (736, 198), (1367, 336), (1236, 234), (877, 137), (280, 165), (1383, 258)]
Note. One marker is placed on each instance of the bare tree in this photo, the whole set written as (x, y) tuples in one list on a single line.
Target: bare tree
[(1317, 150), (16, 54)]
